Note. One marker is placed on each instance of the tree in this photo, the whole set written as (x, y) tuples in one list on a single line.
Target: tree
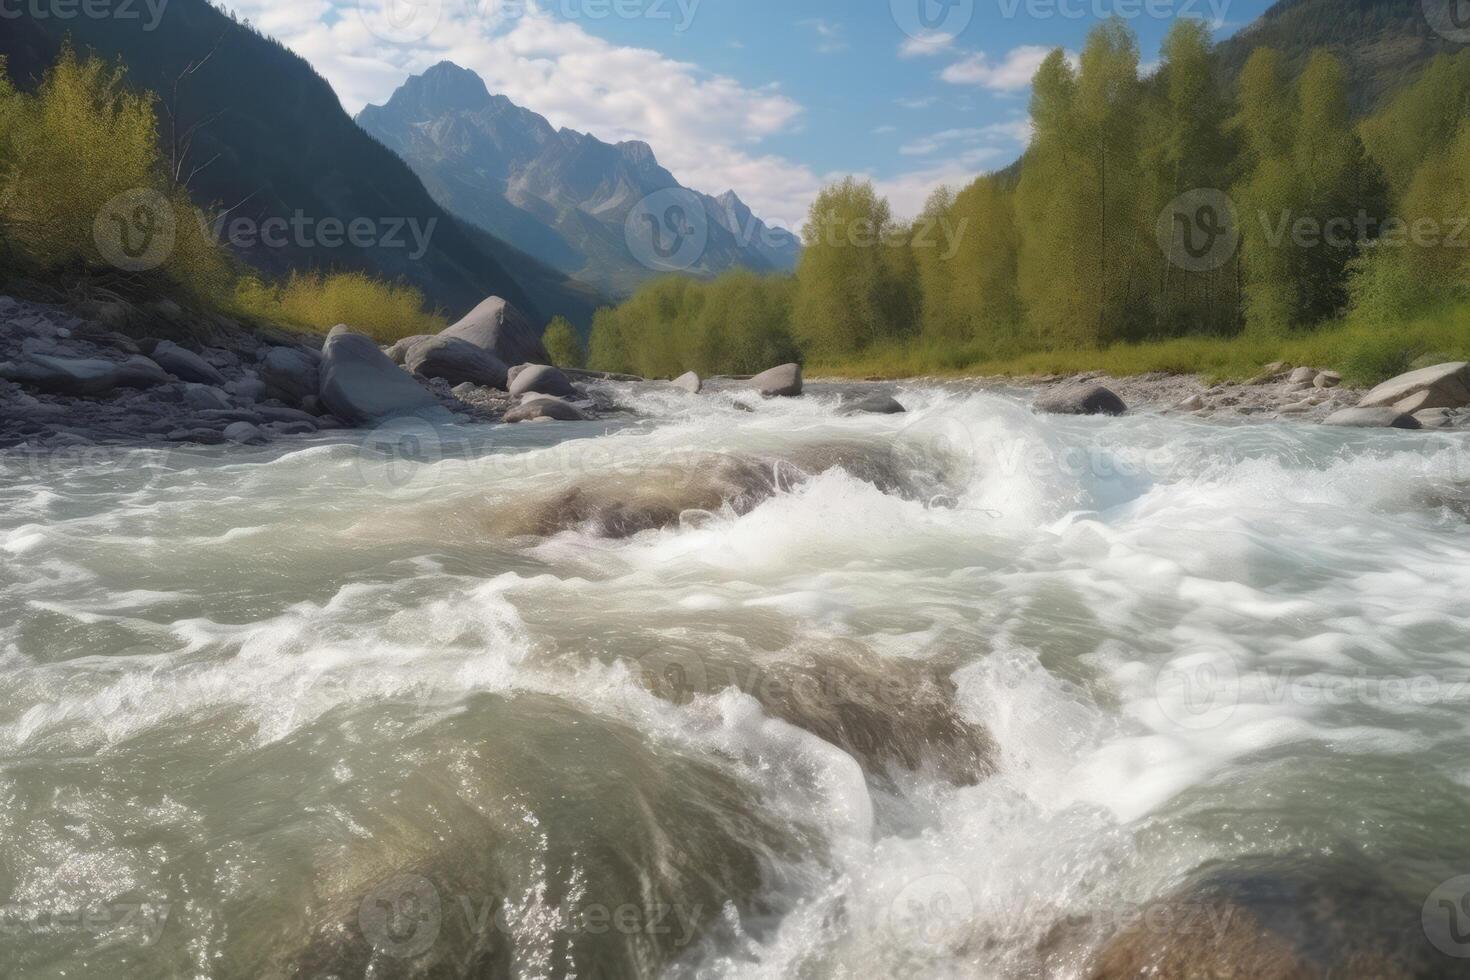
[(564, 344)]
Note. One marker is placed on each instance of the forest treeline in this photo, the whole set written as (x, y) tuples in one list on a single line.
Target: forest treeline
[(1145, 208)]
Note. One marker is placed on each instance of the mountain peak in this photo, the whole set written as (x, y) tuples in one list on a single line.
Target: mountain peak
[(446, 86)]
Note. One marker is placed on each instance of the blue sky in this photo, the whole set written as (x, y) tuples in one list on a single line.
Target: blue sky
[(771, 97)]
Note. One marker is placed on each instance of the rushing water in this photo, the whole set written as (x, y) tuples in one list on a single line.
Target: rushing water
[(717, 693)]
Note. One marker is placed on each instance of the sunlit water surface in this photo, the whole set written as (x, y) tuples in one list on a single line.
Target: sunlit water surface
[(322, 710)]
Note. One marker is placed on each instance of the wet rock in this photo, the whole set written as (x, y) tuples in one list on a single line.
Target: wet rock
[(456, 362), (1436, 418), (271, 413), (1440, 386), (690, 382), (1191, 404), (1302, 375), (83, 376), (203, 437), (289, 374), (779, 382), (542, 379), (873, 405), (545, 407), (361, 386), (1080, 399), (1327, 379), (185, 365), (1280, 918), (244, 433), (291, 428), (501, 329), (1372, 418), (247, 389)]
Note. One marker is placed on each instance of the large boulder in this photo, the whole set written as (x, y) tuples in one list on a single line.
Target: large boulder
[(361, 386), (503, 330), (689, 382), (1440, 386), (1372, 418), (83, 375), (289, 374), (779, 382), (185, 364), (456, 361), (542, 379), (1081, 399), (545, 407)]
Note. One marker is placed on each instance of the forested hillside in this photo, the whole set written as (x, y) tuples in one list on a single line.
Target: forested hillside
[(1175, 205)]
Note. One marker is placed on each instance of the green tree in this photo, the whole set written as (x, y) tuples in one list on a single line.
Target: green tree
[(564, 344)]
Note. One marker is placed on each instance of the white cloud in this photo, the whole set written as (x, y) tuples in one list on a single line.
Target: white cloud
[(926, 45), (829, 35), (922, 102), (1009, 74)]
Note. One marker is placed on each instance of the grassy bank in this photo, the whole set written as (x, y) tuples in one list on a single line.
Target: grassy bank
[(1365, 353)]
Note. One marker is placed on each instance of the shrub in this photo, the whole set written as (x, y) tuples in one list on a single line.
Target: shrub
[(317, 301), (564, 344)]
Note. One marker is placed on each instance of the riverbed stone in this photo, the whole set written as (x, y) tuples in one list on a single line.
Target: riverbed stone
[(1442, 386), (83, 375), (503, 330), (690, 382), (289, 374), (1302, 375), (201, 397), (455, 361), (545, 407), (1080, 399), (244, 433), (1327, 379), (185, 364), (398, 351), (1372, 418), (362, 386), (875, 404), (779, 382), (542, 379)]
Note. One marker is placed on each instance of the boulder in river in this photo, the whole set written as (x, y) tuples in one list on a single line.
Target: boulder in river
[(1372, 418), (498, 327), (1081, 399), (1440, 386), (545, 407), (455, 361), (875, 404), (185, 364), (690, 382), (289, 374), (361, 386), (779, 382), (398, 352), (542, 379), (83, 375), (245, 433)]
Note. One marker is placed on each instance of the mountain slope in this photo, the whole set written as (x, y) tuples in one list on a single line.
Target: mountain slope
[(1383, 43), (272, 141), (560, 195)]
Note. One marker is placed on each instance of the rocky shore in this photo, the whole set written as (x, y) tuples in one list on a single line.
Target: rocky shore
[(73, 381)]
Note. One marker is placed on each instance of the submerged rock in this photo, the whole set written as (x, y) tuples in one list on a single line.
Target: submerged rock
[(1080, 399), (873, 405), (361, 386), (779, 382), (501, 329)]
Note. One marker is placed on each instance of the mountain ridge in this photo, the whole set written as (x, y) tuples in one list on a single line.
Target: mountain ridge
[(561, 195)]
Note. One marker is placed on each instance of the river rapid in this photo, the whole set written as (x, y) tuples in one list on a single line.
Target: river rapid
[(711, 692)]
